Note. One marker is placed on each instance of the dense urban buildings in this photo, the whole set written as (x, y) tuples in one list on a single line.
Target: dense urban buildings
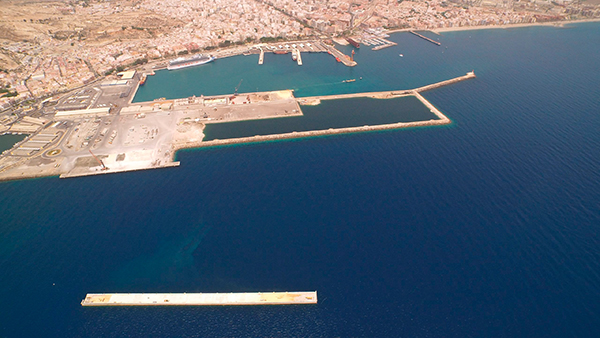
[(53, 46)]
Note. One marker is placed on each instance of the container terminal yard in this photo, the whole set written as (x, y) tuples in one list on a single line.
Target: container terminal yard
[(199, 299), (98, 130)]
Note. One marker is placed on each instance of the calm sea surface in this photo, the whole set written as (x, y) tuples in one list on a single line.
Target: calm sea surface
[(488, 227)]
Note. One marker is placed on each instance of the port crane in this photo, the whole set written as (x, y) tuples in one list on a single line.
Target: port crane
[(235, 93), (103, 167)]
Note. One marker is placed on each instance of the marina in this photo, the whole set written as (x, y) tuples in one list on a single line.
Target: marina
[(199, 299)]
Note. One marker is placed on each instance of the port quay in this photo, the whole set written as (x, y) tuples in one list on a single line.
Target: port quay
[(83, 140), (200, 299), (295, 48)]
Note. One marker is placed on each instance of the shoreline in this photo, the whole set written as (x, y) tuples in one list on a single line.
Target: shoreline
[(557, 24)]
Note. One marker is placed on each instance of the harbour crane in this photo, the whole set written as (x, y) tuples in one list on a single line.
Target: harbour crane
[(103, 167), (238, 87)]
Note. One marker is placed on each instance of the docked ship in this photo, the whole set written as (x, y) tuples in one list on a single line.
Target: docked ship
[(195, 60), (143, 79), (280, 52), (353, 43), (294, 55)]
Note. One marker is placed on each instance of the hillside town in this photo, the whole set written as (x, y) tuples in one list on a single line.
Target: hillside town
[(51, 47)]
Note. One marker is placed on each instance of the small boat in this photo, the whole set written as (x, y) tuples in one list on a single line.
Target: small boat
[(401, 55), (350, 80)]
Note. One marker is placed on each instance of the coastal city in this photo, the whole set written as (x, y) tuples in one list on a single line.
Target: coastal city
[(51, 47), (71, 70), (300, 168)]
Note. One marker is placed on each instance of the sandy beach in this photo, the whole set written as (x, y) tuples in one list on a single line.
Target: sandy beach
[(519, 25)]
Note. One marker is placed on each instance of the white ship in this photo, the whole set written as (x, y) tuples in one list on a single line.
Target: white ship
[(195, 60)]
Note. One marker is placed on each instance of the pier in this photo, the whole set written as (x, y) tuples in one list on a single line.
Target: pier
[(199, 299), (261, 57), (426, 38), (470, 75), (384, 46), (299, 57), (343, 58)]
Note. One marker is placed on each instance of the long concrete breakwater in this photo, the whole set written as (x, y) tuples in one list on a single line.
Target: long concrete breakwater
[(388, 94), (312, 133), (469, 75), (426, 38), (199, 299)]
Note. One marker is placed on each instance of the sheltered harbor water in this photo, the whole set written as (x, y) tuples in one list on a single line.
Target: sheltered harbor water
[(8, 141), (344, 113)]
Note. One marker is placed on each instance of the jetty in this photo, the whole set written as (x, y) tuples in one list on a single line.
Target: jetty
[(199, 299), (298, 57), (341, 57), (384, 46), (470, 75), (426, 38), (389, 93)]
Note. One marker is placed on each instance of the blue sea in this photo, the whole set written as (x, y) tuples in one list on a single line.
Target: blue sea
[(487, 227)]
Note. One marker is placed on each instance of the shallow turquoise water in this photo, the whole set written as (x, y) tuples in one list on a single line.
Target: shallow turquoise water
[(423, 63)]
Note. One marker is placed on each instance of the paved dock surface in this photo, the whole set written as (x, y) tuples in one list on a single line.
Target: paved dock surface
[(261, 57), (299, 59), (199, 299)]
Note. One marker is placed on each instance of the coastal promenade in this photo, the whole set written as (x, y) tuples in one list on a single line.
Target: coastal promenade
[(199, 299)]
